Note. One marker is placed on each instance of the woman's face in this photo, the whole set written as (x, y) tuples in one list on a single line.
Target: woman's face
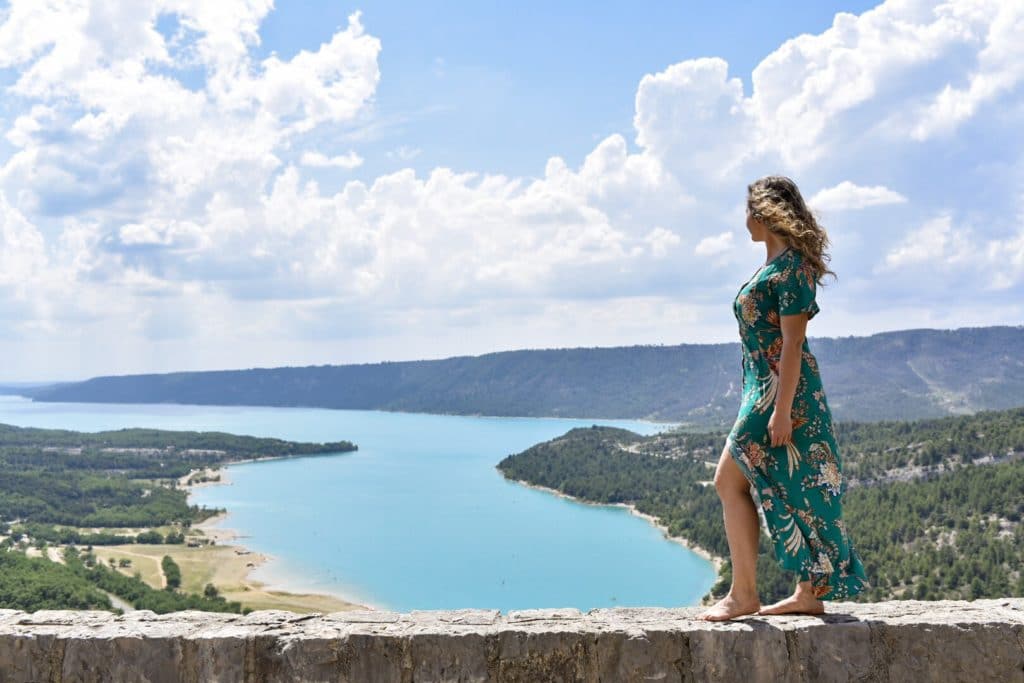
[(756, 228)]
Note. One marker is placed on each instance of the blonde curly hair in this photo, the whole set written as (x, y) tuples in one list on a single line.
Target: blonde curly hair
[(776, 201)]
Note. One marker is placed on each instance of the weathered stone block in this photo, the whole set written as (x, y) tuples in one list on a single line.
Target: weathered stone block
[(979, 640)]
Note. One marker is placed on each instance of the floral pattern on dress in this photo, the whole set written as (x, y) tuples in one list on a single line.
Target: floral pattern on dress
[(799, 485)]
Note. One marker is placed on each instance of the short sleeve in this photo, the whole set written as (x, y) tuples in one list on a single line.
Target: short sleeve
[(796, 288)]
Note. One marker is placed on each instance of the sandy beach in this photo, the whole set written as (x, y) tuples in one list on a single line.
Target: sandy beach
[(221, 472), (230, 563), (715, 560), (226, 564)]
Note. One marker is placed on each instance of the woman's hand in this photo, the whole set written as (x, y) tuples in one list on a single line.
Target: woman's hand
[(780, 428)]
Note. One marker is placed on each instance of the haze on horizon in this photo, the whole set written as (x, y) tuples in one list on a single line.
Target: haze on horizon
[(333, 183)]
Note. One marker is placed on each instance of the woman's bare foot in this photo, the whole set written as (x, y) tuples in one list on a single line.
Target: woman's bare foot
[(730, 607), (801, 602)]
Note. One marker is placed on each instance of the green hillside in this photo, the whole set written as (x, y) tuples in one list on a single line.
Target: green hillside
[(935, 514), (77, 490)]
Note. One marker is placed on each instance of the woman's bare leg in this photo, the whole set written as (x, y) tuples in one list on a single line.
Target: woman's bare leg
[(743, 529)]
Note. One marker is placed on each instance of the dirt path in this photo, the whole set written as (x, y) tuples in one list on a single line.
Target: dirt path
[(148, 558)]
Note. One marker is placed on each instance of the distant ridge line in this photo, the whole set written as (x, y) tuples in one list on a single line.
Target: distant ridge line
[(876, 377)]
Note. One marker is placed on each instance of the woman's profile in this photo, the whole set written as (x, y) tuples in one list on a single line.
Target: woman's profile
[(782, 448)]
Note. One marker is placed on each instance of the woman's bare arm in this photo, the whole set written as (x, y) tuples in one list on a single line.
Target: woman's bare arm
[(794, 327)]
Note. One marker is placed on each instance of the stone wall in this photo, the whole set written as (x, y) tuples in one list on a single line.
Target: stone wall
[(904, 641)]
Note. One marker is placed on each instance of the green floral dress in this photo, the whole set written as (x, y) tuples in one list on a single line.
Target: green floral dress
[(798, 486)]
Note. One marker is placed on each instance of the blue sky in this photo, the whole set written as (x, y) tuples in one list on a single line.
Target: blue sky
[(502, 86), (319, 182)]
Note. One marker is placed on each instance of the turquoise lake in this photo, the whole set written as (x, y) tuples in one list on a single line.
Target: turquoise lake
[(418, 517)]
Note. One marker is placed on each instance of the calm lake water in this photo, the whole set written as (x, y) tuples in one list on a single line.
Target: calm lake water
[(418, 517)]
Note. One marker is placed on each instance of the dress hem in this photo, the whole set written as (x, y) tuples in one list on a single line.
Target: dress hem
[(852, 583)]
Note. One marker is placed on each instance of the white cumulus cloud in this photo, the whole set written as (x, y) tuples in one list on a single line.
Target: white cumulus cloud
[(319, 160), (848, 195), (161, 205)]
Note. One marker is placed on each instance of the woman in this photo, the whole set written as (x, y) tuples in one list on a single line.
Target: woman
[(782, 447)]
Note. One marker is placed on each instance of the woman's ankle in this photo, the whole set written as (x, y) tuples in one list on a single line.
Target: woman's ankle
[(743, 595), (804, 589)]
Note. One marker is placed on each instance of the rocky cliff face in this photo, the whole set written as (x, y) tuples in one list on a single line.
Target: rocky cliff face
[(905, 641)]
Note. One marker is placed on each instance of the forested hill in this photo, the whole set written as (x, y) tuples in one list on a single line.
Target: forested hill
[(70, 491), (934, 507), (899, 375), (97, 479)]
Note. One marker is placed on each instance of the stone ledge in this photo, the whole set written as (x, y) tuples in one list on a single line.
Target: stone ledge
[(948, 640)]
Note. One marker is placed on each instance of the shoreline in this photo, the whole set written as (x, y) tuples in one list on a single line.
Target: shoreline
[(716, 561), (670, 423), (225, 537)]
